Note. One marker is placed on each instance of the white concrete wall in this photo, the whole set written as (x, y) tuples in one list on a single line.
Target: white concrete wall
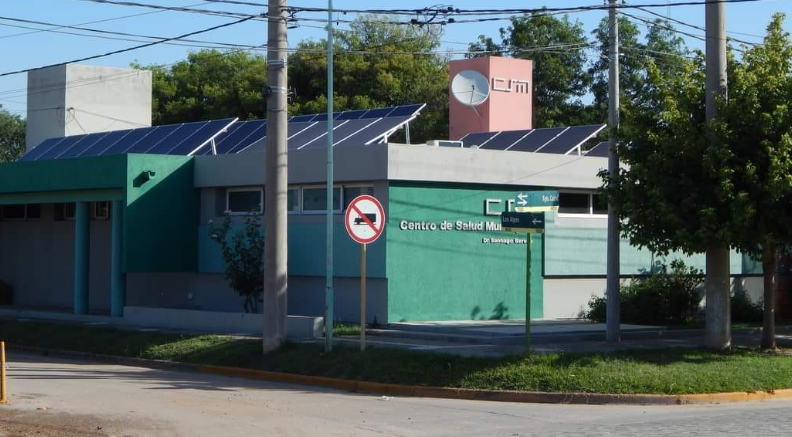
[(76, 99)]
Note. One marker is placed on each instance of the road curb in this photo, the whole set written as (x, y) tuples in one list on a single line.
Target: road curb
[(497, 395), (426, 391)]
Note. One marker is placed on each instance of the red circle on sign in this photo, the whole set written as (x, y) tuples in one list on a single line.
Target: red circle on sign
[(354, 208)]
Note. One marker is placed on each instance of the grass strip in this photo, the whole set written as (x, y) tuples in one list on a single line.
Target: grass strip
[(668, 371)]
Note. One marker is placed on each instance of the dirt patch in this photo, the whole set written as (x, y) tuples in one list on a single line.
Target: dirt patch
[(45, 423)]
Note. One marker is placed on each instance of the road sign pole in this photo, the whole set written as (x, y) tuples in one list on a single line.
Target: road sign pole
[(363, 297), (528, 295)]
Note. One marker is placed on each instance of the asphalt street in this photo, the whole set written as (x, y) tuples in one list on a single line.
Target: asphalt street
[(56, 397)]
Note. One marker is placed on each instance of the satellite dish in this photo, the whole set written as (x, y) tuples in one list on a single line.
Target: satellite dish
[(470, 88)]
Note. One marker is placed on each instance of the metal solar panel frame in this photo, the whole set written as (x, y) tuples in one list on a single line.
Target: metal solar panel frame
[(212, 138), (383, 138), (579, 146), (375, 120), (335, 126)]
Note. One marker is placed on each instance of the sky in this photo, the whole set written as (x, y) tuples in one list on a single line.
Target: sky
[(28, 48)]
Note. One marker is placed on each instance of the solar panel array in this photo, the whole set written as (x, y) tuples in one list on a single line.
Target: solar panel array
[(227, 136), (557, 140), (600, 150)]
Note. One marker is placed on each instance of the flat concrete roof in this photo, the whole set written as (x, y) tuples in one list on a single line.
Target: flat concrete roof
[(407, 162)]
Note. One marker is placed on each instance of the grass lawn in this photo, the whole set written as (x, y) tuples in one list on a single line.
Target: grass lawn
[(670, 371)]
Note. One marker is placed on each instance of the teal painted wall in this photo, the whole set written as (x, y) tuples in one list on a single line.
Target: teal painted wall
[(161, 215), (306, 252), (452, 274)]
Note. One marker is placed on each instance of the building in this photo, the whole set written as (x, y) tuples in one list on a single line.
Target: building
[(114, 222)]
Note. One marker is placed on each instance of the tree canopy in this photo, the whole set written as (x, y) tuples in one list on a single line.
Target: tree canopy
[(12, 136)]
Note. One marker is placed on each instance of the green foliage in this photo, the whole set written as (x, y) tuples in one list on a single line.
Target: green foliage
[(661, 298), (377, 63), (243, 254), (12, 136), (559, 77), (664, 371), (209, 85), (744, 310)]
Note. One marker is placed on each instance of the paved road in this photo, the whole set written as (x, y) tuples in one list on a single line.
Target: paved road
[(53, 397)]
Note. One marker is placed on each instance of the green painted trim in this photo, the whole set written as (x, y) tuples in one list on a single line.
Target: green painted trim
[(90, 173), (105, 195)]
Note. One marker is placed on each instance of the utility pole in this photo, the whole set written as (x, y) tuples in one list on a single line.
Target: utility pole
[(329, 292), (717, 282), (613, 316), (275, 192)]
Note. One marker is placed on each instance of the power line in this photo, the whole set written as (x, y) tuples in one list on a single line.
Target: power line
[(129, 49), (172, 8)]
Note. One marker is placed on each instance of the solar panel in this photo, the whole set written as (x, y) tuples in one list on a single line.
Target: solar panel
[(41, 149), (61, 147), (505, 139), (569, 140), (477, 139), (362, 126), (536, 139), (600, 150)]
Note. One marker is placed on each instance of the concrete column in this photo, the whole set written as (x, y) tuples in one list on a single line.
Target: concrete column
[(117, 278), (82, 245)]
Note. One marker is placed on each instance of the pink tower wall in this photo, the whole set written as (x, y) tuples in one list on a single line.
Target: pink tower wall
[(509, 106)]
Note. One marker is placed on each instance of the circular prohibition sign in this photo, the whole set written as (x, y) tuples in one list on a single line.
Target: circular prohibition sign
[(365, 219)]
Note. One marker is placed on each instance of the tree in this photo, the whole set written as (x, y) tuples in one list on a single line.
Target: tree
[(209, 85), (378, 63), (662, 45), (557, 47), (243, 254), (757, 125), (12, 136)]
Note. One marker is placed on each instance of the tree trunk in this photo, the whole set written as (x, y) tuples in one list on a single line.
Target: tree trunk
[(718, 291), (769, 267)]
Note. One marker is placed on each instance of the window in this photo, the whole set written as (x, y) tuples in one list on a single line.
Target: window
[(69, 211), (315, 199), (351, 192), (14, 212), (101, 210), (241, 201), (33, 211), (589, 204), (294, 200), (600, 204), (573, 203)]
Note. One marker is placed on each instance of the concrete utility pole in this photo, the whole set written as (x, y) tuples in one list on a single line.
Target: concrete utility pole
[(717, 282), (613, 317), (329, 291), (275, 193)]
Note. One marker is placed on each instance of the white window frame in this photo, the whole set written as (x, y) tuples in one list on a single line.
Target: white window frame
[(299, 200), (238, 189), (322, 211), (590, 213), (95, 211)]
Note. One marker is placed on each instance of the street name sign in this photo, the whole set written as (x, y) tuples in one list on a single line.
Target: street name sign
[(523, 222), (537, 201)]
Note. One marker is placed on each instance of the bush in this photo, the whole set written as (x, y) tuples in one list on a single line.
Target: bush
[(744, 310), (662, 298)]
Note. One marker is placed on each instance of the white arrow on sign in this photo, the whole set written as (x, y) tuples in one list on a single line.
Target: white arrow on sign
[(536, 222), (522, 197)]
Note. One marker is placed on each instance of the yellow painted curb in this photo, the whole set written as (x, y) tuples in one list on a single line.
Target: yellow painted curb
[(496, 395)]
